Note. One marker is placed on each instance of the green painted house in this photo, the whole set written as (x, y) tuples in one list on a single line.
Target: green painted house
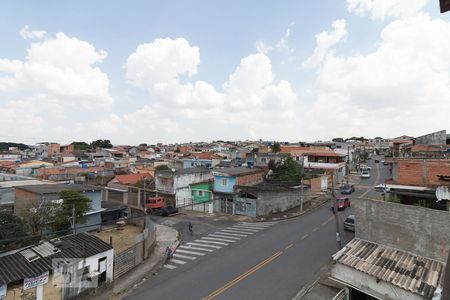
[(201, 192)]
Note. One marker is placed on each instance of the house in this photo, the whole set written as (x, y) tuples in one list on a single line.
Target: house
[(29, 196), (131, 179), (202, 192), (225, 181), (7, 191), (10, 156), (174, 185), (267, 198), (61, 268), (394, 257)]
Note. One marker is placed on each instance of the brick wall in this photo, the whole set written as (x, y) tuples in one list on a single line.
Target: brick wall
[(24, 200), (420, 172), (250, 178)]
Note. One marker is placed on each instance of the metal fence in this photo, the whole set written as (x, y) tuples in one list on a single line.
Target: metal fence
[(136, 254)]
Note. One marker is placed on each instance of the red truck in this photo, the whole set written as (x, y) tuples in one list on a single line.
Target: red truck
[(157, 206)]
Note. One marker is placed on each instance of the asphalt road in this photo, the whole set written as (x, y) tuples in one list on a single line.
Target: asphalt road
[(272, 262)]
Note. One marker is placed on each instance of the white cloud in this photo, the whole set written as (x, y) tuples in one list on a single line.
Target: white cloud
[(381, 9), (162, 61), (26, 34), (402, 86), (325, 41), (280, 46), (250, 101), (60, 67)]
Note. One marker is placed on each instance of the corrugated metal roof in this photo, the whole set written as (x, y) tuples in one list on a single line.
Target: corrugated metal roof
[(410, 272), (15, 267)]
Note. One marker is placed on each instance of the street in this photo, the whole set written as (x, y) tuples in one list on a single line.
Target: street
[(239, 260)]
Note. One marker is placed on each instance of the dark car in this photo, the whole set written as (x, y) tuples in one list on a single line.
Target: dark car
[(376, 161), (342, 202), (165, 212), (349, 223), (347, 189)]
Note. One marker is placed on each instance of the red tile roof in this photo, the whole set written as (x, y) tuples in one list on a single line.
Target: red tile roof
[(130, 179)]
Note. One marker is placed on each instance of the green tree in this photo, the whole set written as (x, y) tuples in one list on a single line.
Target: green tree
[(101, 144), (12, 228), (290, 170), (4, 146), (80, 145), (63, 217), (161, 168), (338, 140), (276, 147)]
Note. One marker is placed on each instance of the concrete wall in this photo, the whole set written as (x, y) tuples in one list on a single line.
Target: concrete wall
[(277, 201), (435, 138), (418, 230)]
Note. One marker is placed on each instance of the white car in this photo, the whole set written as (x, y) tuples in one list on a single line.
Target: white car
[(364, 167), (365, 174)]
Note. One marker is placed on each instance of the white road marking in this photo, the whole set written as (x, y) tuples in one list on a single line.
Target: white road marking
[(170, 267), (250, 227), (235, 231), (260, 223), (184, 256), (190, 252), (211, 242), (180, 262), (218, 239), (224, 236), (255, 226), (203, 245), (196, 248), (239, 227), (243, 230), (233, 234)]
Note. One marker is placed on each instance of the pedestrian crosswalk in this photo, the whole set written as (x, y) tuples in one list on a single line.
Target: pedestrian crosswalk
[(190, 251)]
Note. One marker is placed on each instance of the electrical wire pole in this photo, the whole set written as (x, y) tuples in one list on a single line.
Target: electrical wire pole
[(348, 162), (335, 211), (74, 228)]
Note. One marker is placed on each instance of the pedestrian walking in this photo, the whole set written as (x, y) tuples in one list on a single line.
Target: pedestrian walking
[(190, 228)]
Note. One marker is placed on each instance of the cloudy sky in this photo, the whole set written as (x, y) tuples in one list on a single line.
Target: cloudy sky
[(179, 71)]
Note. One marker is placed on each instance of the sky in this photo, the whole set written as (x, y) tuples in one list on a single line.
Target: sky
[(189, 71)]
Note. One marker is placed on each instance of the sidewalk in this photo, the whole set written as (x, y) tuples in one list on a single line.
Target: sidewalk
[(323, 288), (165, 237), (316, 201)]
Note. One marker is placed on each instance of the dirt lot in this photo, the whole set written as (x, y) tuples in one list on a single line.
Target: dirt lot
[(122, 238)]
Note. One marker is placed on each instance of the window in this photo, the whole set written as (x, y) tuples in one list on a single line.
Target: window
[(224, 181), (201, 193)]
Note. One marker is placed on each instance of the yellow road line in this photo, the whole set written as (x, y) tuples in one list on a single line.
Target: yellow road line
[(327, 221), (289, 246), (242, 276)]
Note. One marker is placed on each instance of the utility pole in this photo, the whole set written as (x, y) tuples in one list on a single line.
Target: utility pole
[(74, 229), (145, 193), (348, 162), (336, 217), (301, 194)]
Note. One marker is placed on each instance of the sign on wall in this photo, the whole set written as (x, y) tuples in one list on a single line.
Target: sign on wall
[(29, 283), (2, 291)]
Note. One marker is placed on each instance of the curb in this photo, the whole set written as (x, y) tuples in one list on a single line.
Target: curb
[(293, 216), (135, 283)]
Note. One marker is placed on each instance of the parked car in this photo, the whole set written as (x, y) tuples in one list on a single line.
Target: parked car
[(365, 174), (165, 211), (364, 167), (376, 161), (342, 202), (385, 163), (347, 189), (349, 223)]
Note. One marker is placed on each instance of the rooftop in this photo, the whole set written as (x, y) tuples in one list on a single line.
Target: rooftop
[(184, 171), (132, 178), (237, 171), (56, 188), (36, 260), (407, 271)]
